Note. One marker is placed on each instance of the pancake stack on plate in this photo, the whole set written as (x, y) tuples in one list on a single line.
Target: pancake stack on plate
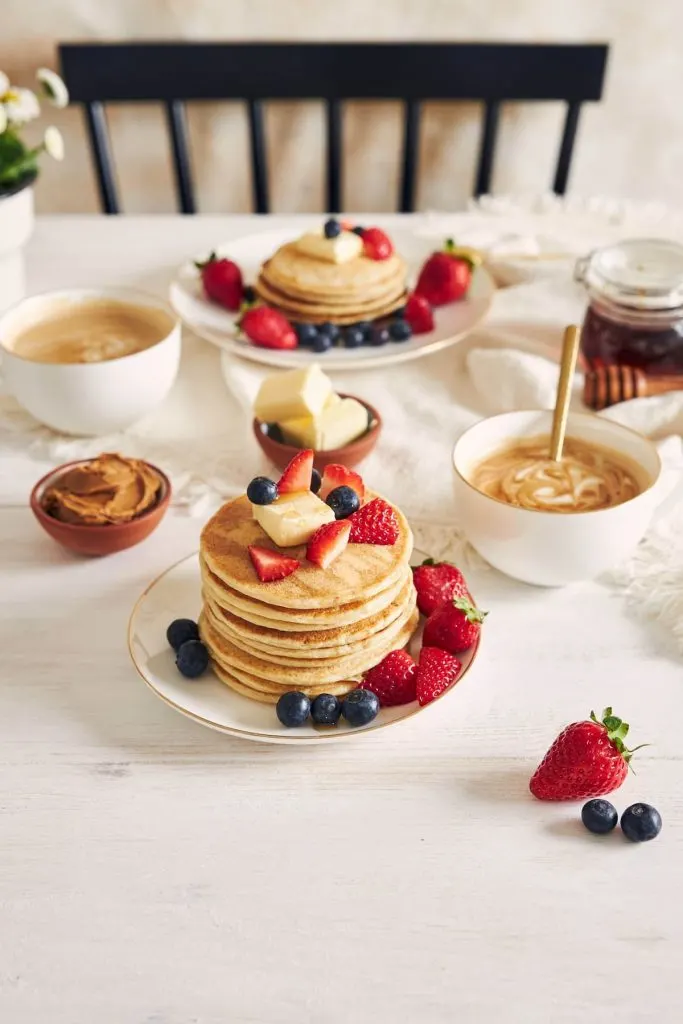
[(312, 290), (317, 630)]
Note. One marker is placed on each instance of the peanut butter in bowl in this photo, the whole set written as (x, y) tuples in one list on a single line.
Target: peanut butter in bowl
[(109, 489)]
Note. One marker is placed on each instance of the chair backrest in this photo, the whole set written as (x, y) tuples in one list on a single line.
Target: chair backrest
[(171, 73)]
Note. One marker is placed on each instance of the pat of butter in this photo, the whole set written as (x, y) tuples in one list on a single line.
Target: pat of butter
[(346, 246), (337, 425), (293, 518), (292, 393)]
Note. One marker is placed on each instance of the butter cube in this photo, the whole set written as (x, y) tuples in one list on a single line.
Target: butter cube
[(293, 518), (292, 393), (338, 424), (346, 246)]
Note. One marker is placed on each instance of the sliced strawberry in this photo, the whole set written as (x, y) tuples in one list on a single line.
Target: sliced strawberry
[(297, 474), (376, 244), (336, 475), (271, 565), (328, 542), (393, 680), (374, 523), (268, 328), (418, 313), (436, 671)]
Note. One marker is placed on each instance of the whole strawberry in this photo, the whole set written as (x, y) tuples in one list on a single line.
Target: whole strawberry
[(587, 759), (393, 680), (222, 281), (376, 244), (436, 671), (445, 277), (268, 328), (454, 626), (418, 313), (437, 582)]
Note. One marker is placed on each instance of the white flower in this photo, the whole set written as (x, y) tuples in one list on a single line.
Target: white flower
[(21, 106), (3, 119), (4, 83), (54, 143), (53, 87)]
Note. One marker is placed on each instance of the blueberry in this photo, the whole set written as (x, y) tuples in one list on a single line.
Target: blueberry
[(248, 294), (379, 336), (329, 330), (323, 343), (358, 230), (275, 433), (360, 707), (192, 658), (366, 327), (641, 822), (306, 333), (316, 481), (293, 708), (354, 336), (400, 330), (325, 709), (262, 491), (400, 313), (332, 228), (343, 501), (180, 631), (599, 816)]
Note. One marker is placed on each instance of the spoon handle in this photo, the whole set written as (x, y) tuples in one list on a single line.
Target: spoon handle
[(570, 352)]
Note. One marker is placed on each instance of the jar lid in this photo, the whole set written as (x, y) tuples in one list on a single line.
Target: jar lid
[(644, 273)]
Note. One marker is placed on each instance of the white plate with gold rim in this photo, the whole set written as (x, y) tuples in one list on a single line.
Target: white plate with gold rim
[(177, 594), (217, 325)]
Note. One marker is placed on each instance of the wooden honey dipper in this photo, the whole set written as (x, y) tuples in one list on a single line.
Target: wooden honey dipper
[(607, 385)]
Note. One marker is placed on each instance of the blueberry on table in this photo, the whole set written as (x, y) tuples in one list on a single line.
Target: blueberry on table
[(325, 709), (360, 707), (293, 708), (354, 336), (261, 490), (306, 333), (599, 816), (379, 336), (329, 330), (332, 228), (180, 631), (400, 330), (641, 822), (192, 659), (343, 501), (323, 343), (316, 481)]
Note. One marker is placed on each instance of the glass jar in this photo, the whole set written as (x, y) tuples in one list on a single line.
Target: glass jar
[(635, 311)]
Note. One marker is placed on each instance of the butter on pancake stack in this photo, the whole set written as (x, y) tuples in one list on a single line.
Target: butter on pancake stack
[(317, 630), (317, 278)]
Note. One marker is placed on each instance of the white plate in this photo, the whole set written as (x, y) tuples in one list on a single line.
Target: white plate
[(177, 594), (217, 325)]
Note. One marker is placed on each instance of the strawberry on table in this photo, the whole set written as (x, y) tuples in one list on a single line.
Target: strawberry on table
[(454, 626), (446, 276), (335, 475), (376, 244), (587, 759), (418, 313), (297, 473), (436, 671), (374, 523), (328, 542), (393, 680), (268, 328), (437, 582), (222, 281), (271, 565)]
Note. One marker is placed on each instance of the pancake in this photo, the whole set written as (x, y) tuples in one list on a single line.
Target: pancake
[(351, 314), (299, 274), (343, 303), (365, 569), (268, 696)]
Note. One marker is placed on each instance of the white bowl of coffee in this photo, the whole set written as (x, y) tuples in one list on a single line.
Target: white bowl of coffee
[(90, 361), (553, 523)]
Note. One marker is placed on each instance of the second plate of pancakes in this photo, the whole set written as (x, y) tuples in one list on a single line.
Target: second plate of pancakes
[(254, 254)]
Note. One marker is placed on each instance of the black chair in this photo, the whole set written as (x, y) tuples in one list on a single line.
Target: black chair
[(99, 73)]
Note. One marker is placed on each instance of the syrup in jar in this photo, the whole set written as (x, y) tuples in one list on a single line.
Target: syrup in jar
[(635, 311)]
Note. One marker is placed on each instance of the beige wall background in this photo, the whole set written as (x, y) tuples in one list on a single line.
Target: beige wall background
[(629, 146)]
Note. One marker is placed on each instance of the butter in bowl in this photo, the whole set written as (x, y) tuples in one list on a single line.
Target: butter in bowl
[(297, 409)]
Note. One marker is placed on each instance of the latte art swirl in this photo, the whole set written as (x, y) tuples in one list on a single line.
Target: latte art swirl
[(587, 478)]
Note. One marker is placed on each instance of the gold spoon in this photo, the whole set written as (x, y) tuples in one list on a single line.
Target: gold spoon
[(570, 352)]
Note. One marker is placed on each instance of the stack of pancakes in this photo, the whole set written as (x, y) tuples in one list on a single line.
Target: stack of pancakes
[(313, 290), (318, 630)]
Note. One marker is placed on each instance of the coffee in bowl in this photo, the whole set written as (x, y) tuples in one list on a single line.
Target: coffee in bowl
[(588, 477)]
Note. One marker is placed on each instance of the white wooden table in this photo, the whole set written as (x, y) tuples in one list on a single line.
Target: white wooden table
[(153, 872)]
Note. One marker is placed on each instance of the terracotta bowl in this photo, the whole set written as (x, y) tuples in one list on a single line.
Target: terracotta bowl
[(99, 540), (350, 455)]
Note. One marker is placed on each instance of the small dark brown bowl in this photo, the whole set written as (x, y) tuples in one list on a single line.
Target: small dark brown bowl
[(99, 540), (350, 455)]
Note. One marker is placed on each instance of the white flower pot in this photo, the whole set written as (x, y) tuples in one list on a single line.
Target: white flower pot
[(16, 227)]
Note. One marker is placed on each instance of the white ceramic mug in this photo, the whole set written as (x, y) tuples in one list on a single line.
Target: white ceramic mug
[(89, 398), (551, 548)]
